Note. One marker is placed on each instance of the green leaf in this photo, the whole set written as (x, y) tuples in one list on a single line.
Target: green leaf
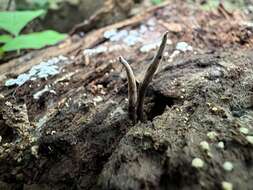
[(34, 40), (15, 21), (156, 2), (5, 38)]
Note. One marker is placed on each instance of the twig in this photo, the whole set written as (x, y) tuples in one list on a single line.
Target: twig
[(148, 77), (8, 5), (132, 90)]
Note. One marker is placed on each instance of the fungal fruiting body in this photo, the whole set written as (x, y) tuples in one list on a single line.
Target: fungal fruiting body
[(136, 99), (132, 90)]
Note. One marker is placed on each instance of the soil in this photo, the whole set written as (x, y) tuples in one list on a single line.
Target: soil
[(77, 135)]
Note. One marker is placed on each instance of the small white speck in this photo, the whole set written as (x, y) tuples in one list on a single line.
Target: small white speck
[(183, 46), (214, 109), (151, 22), (244, 130), (197, 163), (34, 150), (98, 99), (228, 166), (8, 104), (143, 29), (33, 139), (1, 138), (149, 47), (227, 186), (19, 159), (108, 34), (204, 145), (250, 139), (221, 145), (212, 135), (1, 96)]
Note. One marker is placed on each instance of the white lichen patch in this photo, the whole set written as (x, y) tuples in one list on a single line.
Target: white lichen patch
[(250, 139), (227, 185), (95, 51), (244, 130), (131, 37), (197, 163), (148, 47), (221, 145), (45, 69), (204, 145), (108, 34), (212, 135), (102, 49), (228, 166), (183, 46)]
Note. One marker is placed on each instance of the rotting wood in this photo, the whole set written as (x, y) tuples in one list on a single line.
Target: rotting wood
[(68, 47)]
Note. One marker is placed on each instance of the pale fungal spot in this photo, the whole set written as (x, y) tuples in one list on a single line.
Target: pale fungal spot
[(19, 159), (212, 135), (8, 103), (108, 34), (204, 145), (209, 154), (244, 130), (183, 90), (34, 150), (1, 96), (221, 145), (228, 166), (33, 139), (227, 186), (1, 139), (149, 47), (44, 69), (95, 51), (173, 55), (214, 109), (197, 163), (38, 94), (250, 139), (98, 99), (183, 46)]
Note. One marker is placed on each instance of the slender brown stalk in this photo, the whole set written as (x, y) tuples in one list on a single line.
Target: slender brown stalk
[(148, 77), (132, 90)]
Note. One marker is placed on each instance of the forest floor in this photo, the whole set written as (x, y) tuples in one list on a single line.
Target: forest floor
[(63, 109)]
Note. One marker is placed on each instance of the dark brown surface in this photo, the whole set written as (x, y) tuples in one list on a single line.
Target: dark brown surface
[(86, 144)]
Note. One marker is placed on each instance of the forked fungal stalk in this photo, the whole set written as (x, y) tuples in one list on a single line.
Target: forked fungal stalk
[(136, 100), (132, 90), (149, 76)]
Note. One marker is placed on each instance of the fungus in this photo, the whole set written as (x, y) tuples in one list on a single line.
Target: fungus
[(136, 97), (197, 163)]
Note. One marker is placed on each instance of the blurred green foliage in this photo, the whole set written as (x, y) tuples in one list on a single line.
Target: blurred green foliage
[(14, 21), (228, 4), (156, 2)]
